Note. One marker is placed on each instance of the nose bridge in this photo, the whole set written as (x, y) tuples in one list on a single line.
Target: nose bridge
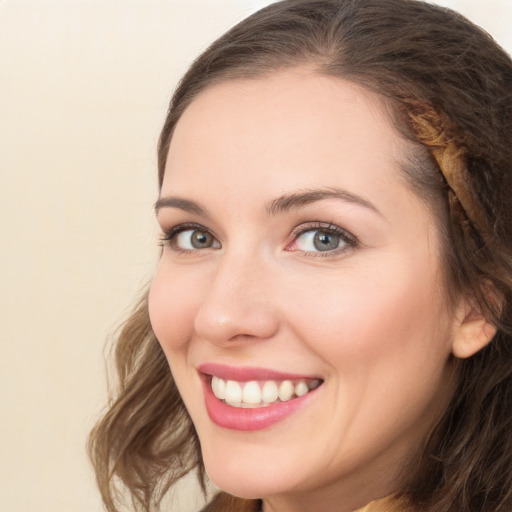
[(238, 304)]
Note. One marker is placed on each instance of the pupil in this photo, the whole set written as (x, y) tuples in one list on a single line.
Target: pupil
[(200, 240), (326, 241)]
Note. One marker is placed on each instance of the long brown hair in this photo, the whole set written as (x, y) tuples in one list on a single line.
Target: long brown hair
[(448, 87)]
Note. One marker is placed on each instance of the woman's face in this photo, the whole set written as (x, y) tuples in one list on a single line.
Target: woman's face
[(299, 264)]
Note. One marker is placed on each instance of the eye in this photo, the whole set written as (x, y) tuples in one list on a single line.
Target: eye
[(190, 239), (316, 240), (321, 239)]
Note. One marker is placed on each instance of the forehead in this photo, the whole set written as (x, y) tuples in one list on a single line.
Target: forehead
[(294, 128)]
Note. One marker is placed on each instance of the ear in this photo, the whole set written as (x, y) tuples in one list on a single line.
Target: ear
[(472, 330)]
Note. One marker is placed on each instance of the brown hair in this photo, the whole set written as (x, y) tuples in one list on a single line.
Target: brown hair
[(448, 86)]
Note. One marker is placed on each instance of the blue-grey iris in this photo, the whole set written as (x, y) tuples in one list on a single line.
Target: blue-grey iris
[(326, 241)]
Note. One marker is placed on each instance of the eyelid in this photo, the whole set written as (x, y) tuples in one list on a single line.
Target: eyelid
[(323, 226)]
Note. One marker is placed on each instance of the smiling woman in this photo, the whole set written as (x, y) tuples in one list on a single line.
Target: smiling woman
[(329, 324), (340, 301)]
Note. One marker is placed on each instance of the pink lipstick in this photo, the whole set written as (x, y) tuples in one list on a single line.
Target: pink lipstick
[(248, 399)]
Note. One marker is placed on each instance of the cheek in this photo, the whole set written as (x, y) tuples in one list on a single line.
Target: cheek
[(365, 324), (173, 302), (386, 341), (172, 305)]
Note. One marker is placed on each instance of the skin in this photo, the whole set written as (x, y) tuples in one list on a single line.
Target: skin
[(372, 318)]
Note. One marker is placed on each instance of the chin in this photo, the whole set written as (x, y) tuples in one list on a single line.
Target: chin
[(243, 486), (244, 477)]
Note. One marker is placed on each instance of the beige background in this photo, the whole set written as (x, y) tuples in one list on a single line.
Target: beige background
[(84, 86)]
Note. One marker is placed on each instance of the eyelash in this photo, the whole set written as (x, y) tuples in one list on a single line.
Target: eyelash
[(346, 237), (169, 236)]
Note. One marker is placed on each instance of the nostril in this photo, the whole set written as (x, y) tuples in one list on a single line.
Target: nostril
[(235, 322)]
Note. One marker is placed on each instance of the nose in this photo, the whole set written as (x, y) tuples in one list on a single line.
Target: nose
[(238, 305)]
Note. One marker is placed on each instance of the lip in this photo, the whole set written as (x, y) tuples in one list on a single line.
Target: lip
[(247, 373), (246, 420)]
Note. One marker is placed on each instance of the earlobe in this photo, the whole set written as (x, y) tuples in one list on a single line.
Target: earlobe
[(472, 331)]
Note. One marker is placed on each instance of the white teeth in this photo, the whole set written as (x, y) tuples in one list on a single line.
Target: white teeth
[(219, 387), (269, 392), (252, 394), (301, 389), (233, 392), (286, 390)]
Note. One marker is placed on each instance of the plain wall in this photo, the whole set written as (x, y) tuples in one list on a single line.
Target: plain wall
[(84, 86)]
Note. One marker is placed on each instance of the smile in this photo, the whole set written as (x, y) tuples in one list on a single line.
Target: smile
[(248, 399), (254, 394)]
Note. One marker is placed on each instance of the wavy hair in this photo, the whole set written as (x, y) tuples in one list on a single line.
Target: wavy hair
[(448, 88)]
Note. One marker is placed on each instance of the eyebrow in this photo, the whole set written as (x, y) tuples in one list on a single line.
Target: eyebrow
[(299, 199), (281, 204), (180, 203)]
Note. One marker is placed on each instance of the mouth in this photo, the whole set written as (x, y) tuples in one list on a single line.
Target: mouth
[(249, 399), (254, 394)]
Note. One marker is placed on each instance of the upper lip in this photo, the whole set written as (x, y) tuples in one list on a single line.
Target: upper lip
[(248, 373)]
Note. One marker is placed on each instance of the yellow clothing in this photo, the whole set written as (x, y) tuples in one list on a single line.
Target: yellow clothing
[(389, 504)]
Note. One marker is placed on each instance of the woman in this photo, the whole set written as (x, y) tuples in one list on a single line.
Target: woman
[(333, 295)]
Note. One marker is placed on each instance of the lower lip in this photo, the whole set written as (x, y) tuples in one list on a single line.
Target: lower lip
[(236, 418)]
